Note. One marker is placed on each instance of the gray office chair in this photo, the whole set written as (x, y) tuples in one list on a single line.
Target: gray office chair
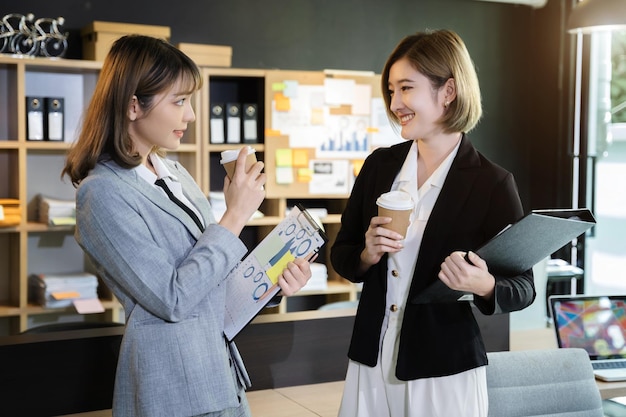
[(546, 383), (339, 305)]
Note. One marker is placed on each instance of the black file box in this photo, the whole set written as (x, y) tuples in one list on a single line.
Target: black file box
[(55, 109), (250, 129), (35, 129)]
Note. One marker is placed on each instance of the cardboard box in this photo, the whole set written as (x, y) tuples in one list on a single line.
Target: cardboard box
[(208, 55), (99, 36)]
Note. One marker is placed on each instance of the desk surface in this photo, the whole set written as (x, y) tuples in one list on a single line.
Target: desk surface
[(323, 399), (546, 339)]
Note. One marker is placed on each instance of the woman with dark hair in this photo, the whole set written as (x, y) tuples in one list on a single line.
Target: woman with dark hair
[(166, 262), (409, 358)]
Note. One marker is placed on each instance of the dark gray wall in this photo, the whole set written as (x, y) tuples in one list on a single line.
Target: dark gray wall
[(519, 52)]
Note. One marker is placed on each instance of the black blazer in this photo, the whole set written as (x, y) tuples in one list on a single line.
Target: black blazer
[(477, 200)]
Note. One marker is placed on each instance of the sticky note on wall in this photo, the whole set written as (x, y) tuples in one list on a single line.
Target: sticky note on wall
[(281, 103), (356, 166), (304, 174), (317, 116), (284, 157), (300, 158), (284, 175)]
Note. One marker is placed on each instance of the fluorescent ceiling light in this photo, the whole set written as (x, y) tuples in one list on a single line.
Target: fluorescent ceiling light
[(532, 3)]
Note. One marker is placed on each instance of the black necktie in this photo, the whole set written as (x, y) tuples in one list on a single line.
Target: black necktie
[(179, 203)]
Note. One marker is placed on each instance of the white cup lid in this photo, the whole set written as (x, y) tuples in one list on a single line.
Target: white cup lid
[(395, 200), (232, 154)]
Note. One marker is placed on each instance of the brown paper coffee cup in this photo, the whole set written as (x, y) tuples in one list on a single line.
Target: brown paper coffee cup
[(229, 165), (400, 219), (398, 205)]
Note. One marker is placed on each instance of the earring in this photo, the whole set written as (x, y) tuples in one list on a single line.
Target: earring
[(446, 104)]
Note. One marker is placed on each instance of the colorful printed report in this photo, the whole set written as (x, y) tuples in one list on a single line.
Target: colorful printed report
[(253, 283)]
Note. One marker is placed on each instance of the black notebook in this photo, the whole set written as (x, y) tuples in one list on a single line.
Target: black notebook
[(518, 247)]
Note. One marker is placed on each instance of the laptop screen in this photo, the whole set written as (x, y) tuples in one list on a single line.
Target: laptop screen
[(594, 323)]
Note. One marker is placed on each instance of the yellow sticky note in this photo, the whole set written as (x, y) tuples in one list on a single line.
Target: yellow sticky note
[(272, 132), (281, 103), (274, 272), (278, 86), (300, 158), (356, 166), (341, 110), (63, 221), (317, 116), (304, 175), (64, 295), (284, 157)]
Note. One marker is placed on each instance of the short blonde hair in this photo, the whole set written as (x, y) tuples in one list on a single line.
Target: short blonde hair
[(440, 55)]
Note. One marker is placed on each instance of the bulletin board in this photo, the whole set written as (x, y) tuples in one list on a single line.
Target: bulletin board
[(320, 127)]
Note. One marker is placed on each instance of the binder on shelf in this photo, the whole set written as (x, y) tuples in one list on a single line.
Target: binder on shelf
[(233, 123), (34, 116), (250, 112), (54, 118), (519, 247), (216, 123), (252, 284)]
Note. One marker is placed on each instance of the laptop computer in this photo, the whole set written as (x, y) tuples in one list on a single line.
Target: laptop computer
[(596, 324)]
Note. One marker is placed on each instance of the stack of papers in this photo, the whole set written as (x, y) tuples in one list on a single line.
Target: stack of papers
[(61, 290), (55, 212), (218, 205), (320, 212), (319, 278)]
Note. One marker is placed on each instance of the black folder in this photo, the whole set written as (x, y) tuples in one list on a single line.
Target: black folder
[(54, 125), (518, 247), (250, 129), (233, 123), (216, 121), (34, 114)]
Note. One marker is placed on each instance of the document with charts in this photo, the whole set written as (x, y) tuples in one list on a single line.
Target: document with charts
[(253, 283)]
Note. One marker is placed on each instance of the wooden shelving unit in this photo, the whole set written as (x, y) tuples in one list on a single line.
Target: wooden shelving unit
[(224, 85), (31, 168)]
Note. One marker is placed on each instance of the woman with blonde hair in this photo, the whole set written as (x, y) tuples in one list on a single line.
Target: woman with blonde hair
[(409, 358)]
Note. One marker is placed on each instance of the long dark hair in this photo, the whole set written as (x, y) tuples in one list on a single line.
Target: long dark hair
[(136, 65)]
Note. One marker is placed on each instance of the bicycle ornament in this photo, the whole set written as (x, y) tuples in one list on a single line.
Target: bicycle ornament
[(23, 35)]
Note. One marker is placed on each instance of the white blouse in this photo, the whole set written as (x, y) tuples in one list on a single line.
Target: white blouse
[(170, 179)]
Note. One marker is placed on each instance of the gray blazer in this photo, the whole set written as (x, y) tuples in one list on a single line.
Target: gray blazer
[(169, 277)]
